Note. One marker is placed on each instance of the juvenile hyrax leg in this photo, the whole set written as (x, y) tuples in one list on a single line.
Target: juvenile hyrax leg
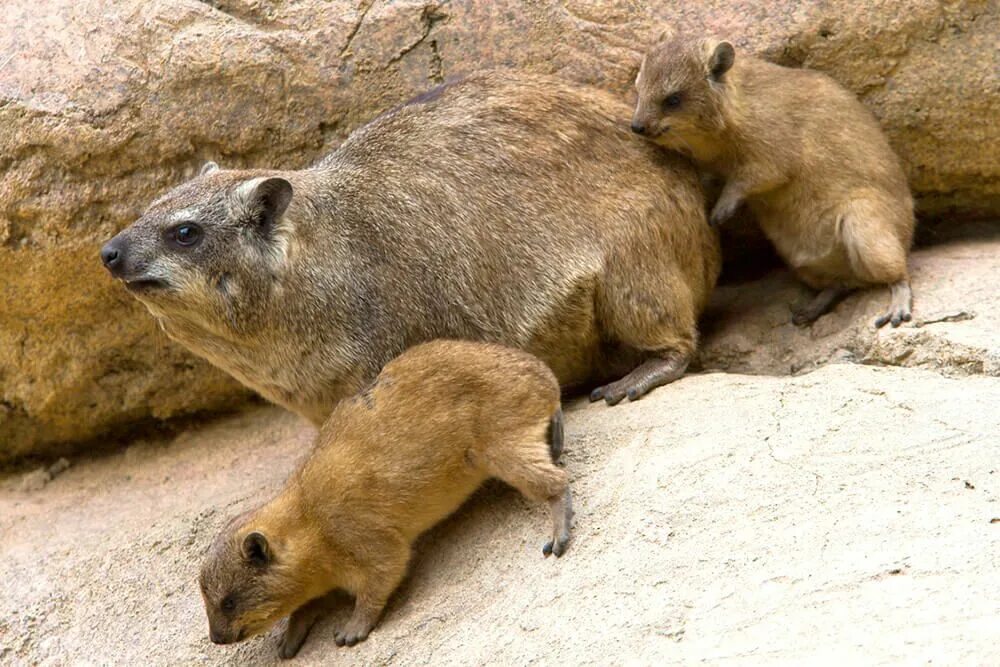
[(730, 200), (877, 256), (820, 304), (649, 375), (528, 466), (299, 625), (371, 599), (561, 508), (900, 305)]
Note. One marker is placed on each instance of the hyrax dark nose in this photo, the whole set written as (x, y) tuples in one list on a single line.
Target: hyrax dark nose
[(113, 256), (216, 637), (638, 128)]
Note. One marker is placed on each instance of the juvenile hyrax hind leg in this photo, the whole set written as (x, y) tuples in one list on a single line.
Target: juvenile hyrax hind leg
[(561, 508), (820, 304), (900, 305), (556, 435), (878, 255), (649, 375), (527, 465), (299, 624)]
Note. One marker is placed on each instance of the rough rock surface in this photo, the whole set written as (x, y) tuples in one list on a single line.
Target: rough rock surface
[(103, 104), (848, 514)]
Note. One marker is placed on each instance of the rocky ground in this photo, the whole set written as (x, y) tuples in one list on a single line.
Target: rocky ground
[(832, 496)]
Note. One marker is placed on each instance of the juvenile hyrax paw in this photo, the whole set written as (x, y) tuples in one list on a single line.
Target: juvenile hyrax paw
[(721, 212), (556, 547), (805, 316), (352, 633), (896, 315), (290, 643)]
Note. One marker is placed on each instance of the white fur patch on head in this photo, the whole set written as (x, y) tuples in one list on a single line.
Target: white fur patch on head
[(185, 214)]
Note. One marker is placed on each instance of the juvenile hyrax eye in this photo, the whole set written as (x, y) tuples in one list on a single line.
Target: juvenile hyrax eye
[(228, 604), (672, 101), (187, 234)]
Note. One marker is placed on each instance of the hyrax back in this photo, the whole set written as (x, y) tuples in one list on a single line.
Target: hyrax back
[(388, 464), (803, 152), (507, 208)]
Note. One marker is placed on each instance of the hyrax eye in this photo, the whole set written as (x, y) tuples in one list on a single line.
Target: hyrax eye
[(186, 234), (228, 604), (672, 101)]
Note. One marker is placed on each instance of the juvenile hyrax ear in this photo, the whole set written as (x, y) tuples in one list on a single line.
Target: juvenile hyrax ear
[(264, 201), (256, 550), (208, 168), (663, 35), (721, 60)]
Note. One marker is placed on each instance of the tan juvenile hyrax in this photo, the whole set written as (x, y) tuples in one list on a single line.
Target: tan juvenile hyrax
[(803, 152), (388, 464), (505, 207)]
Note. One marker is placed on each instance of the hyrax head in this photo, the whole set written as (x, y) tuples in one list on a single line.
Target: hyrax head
[(678, 86), (205, 248), (247, 584)]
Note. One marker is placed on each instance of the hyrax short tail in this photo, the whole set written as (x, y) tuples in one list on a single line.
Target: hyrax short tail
[(555, 435)]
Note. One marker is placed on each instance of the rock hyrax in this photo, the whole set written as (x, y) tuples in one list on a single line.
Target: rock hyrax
[(388, 464), (505, 207), (803, 152)]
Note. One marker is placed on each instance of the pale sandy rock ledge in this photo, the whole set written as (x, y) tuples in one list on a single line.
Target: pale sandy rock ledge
[(850, 513)]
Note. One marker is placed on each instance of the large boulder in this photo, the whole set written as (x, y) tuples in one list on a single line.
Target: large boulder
[(104, 104)]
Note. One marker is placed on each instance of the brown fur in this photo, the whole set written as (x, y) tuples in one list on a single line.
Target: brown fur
[(803, 152), (507, 208), (389, 464)]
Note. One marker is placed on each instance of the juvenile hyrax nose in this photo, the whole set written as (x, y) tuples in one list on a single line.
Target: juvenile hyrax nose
[(112, 257), (638, 128)]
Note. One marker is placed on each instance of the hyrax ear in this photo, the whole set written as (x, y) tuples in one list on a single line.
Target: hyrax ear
[(721, 60), (256, 551), (208, 168), (663, 35), (263, 201)]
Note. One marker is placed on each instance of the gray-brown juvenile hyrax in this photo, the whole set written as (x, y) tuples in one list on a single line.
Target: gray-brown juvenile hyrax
[(803, 152), (506, 208), (388, 464)]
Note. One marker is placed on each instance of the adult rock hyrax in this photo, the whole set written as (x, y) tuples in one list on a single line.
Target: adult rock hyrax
[(809, 159), (388, 464), (505, 207)]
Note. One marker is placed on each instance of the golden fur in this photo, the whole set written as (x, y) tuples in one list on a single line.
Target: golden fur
[(809, 159), (388, 464)]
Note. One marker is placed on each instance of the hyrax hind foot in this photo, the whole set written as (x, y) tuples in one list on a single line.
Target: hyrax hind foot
[(561, 507), (649, 375), (900, 305), (821, 304)]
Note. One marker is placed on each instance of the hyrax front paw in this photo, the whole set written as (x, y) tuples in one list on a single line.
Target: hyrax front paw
[(353, 632), (722, 211), (290, 643)]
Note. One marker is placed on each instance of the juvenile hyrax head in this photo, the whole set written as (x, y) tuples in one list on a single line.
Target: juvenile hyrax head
[(205, 250), (679, 89), (247, 585)]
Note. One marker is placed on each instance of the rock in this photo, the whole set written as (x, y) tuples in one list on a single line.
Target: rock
[(105, 104), (35, 480), (790, 520)]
